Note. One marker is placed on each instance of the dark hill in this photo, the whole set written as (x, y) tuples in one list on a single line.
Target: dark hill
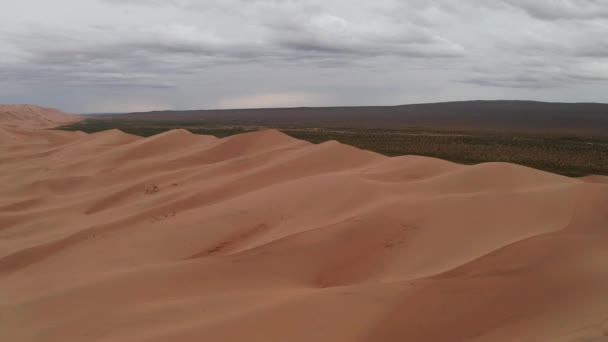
[(580, 119)]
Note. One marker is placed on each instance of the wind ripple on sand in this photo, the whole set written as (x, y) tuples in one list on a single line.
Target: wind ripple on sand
[(262, 237)]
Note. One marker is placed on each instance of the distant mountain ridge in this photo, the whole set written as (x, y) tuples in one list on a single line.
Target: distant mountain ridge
[(588, 119)]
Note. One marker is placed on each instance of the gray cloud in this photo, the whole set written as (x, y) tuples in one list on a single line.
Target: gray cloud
[(134, 56), (563, 9), (206, 53)]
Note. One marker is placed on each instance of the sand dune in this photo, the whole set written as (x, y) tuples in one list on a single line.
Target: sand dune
[(261, 237), (30, 116)]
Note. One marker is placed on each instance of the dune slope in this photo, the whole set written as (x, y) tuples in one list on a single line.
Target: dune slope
[(261, 237), (30, 116)]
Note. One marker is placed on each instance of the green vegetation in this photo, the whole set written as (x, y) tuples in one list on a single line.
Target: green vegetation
[(146, 129), (564, 155)]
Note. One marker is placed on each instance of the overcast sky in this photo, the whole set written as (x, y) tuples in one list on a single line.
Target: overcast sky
[(133, 55)]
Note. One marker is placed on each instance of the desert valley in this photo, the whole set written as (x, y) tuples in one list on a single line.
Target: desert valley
[(263, 237)]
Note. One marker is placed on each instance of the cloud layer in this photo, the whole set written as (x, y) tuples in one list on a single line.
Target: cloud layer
[(111, 55)]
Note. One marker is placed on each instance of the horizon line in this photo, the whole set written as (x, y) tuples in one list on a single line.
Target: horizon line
[(336, 106)]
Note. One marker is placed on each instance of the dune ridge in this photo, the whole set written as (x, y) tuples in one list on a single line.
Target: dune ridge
[(262, 237), (30, 116)]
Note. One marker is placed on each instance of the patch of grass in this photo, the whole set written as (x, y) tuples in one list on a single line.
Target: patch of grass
[(146, 129), (564, 155)]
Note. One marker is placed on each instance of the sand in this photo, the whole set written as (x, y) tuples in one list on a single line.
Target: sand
[(262, 237), (30, 116)]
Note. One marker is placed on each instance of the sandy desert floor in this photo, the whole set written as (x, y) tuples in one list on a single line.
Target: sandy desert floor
[(262, 237)]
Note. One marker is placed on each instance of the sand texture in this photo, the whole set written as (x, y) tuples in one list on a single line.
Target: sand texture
[(29, 116), (261, 237)]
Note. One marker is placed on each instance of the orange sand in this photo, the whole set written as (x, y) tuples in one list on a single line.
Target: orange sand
[(262, 237), (29, 116)]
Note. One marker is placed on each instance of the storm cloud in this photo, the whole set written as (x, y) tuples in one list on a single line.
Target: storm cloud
[(111, 55)]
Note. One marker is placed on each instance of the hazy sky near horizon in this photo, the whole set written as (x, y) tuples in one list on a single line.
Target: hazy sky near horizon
[(135, 55)]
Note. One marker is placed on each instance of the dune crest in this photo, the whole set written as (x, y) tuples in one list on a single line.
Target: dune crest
[(262, 237), (30, 116)]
